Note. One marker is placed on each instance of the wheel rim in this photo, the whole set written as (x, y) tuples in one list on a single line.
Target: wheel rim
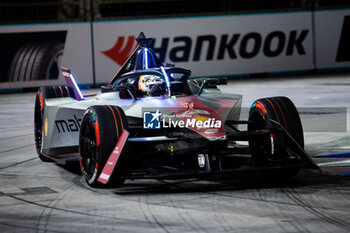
[(88, 148)]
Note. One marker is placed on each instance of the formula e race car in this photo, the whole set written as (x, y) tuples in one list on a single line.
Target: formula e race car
[(152, 121)]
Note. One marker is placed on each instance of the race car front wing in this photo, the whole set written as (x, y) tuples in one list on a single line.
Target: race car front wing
[(231, 159)]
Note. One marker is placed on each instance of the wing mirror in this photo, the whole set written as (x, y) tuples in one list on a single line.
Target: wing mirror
[(212, 83)]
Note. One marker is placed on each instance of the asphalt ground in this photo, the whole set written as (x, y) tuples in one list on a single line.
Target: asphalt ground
[(46, 197)]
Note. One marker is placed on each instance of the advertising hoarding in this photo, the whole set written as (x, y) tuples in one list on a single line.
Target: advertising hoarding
[(29, 49), (211, 46), (332, 39)]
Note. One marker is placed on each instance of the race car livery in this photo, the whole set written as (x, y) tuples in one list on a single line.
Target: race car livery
[(153, 121)]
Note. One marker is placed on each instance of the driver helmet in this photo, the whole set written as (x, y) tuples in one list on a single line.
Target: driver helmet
[(150, 84)]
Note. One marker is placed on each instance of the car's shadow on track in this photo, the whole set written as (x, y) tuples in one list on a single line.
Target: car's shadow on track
[(73, 168), (236, 182)]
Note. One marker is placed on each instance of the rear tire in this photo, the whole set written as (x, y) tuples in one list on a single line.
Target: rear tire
[(43, 94), (99, 133), (267, 148)]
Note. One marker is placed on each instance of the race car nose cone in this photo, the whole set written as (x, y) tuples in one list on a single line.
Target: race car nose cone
[(201, 160)]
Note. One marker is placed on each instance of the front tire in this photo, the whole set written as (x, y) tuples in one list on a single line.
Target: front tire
[(266, 149), (99, 133)]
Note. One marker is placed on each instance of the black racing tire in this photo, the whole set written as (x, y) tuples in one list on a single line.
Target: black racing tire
[(36, 61), (267, 148), (43, 94), (100, 130)]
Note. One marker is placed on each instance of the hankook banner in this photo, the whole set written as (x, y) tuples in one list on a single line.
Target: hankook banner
[(211, 46)]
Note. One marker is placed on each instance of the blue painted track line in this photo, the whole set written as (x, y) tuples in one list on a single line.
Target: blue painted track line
[(334, 155), (344, 174)]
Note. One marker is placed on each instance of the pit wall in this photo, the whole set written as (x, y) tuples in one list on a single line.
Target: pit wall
[(234, 45)]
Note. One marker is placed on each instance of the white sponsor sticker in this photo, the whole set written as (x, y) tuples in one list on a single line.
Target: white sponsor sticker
[(104, 176)]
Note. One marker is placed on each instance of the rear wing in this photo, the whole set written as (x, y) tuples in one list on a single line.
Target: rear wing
[(71, 82)]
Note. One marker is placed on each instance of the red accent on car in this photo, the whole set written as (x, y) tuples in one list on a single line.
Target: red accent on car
[(278, 119), (181, 108), (81, 166), (90, 95), (70, 81), (113, 158), (260, 107), (284, 119), (67, 91), (61, 90), (41, 101), (97, 131), (115, 122)]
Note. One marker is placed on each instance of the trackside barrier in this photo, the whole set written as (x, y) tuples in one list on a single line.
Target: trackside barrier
[(210, 46)]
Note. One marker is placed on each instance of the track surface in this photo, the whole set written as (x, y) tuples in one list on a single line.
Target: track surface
[(45, 197)]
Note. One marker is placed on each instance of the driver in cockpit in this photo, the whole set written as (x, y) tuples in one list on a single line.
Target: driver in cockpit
[(152, 85)]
